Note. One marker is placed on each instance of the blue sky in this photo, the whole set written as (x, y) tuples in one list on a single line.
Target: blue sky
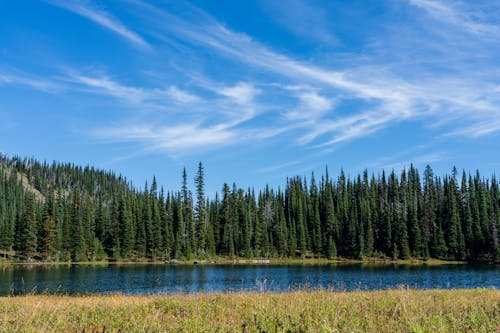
[(257, 90)]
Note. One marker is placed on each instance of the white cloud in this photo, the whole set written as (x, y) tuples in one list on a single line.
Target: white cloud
[(19, 78), (214, 124), (316, 102), (478, 129), (417, 161), (159, 97), (456, 13), (181, 96), (312, 106), (170, 138), (275, 167), (102, 18), (242, 93), (107, 86), (347, 128), (302, 19)]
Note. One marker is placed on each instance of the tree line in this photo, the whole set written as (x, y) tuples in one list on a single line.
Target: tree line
[(66, 212)]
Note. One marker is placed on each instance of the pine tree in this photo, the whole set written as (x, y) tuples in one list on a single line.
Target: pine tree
[(315, 218), (147, 222), (28, 230), (330, 219), (168, 231), (181, 242), (398, 199), (78, 247), (414, 233), (127, 234), (187, 203), (386, 241), (494, 220), (113, 234), (155, 229), (200, 214), (466, 215), (332, 248), (454, 235), (98, 253), (368, 205), (7, 214), (48, 234)]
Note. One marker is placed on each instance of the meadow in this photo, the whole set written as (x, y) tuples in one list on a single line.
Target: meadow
[(403, 310)]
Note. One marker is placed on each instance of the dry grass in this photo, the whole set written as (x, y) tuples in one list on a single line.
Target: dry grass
[(319, 311)]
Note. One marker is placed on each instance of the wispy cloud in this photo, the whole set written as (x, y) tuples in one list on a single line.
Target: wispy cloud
[(102, 18), (240, 105), (418, 156), (276, 167), (241, 47), (242, 93), (320, 104), (418, 161), (213, 124), (17, 77), (173, 138), (105, 85), (386, 95), (301, 18), (100, 84), (478, 129), (312, 105), (182, 96), (457, 13)]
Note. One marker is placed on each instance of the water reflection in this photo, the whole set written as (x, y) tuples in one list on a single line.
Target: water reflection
[(147, 279)]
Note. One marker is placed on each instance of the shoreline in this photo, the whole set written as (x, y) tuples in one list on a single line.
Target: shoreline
[(256, 261)]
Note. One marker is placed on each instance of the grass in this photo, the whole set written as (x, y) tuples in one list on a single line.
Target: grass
[(476, 310), (253, 261)]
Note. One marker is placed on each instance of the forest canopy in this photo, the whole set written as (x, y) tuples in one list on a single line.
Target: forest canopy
[(65, 212)]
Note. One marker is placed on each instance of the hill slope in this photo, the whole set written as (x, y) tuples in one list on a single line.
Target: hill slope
[(62, 211)]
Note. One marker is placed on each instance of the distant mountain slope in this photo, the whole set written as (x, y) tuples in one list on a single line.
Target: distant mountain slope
[(65, 212), (40, 178), (23, 181)]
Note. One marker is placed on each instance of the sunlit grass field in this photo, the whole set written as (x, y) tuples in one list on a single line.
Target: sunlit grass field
[(402, 310)]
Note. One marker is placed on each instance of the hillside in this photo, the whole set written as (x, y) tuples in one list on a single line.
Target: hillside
[(66, 212)]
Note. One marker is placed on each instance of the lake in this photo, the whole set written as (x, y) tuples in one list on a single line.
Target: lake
[(166, 279)]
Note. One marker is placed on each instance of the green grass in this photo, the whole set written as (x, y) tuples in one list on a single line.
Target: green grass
[(476, 310), (254, 261)]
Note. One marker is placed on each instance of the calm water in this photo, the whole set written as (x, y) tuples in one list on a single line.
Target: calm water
[(148, 279)]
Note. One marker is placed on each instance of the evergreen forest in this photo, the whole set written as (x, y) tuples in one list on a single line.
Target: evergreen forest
[(61, 212)]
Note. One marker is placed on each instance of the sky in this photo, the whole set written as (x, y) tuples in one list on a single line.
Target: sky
[(256, 90)]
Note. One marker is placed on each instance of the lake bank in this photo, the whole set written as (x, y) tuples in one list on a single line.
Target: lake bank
[(252, 261), (317, 311)]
